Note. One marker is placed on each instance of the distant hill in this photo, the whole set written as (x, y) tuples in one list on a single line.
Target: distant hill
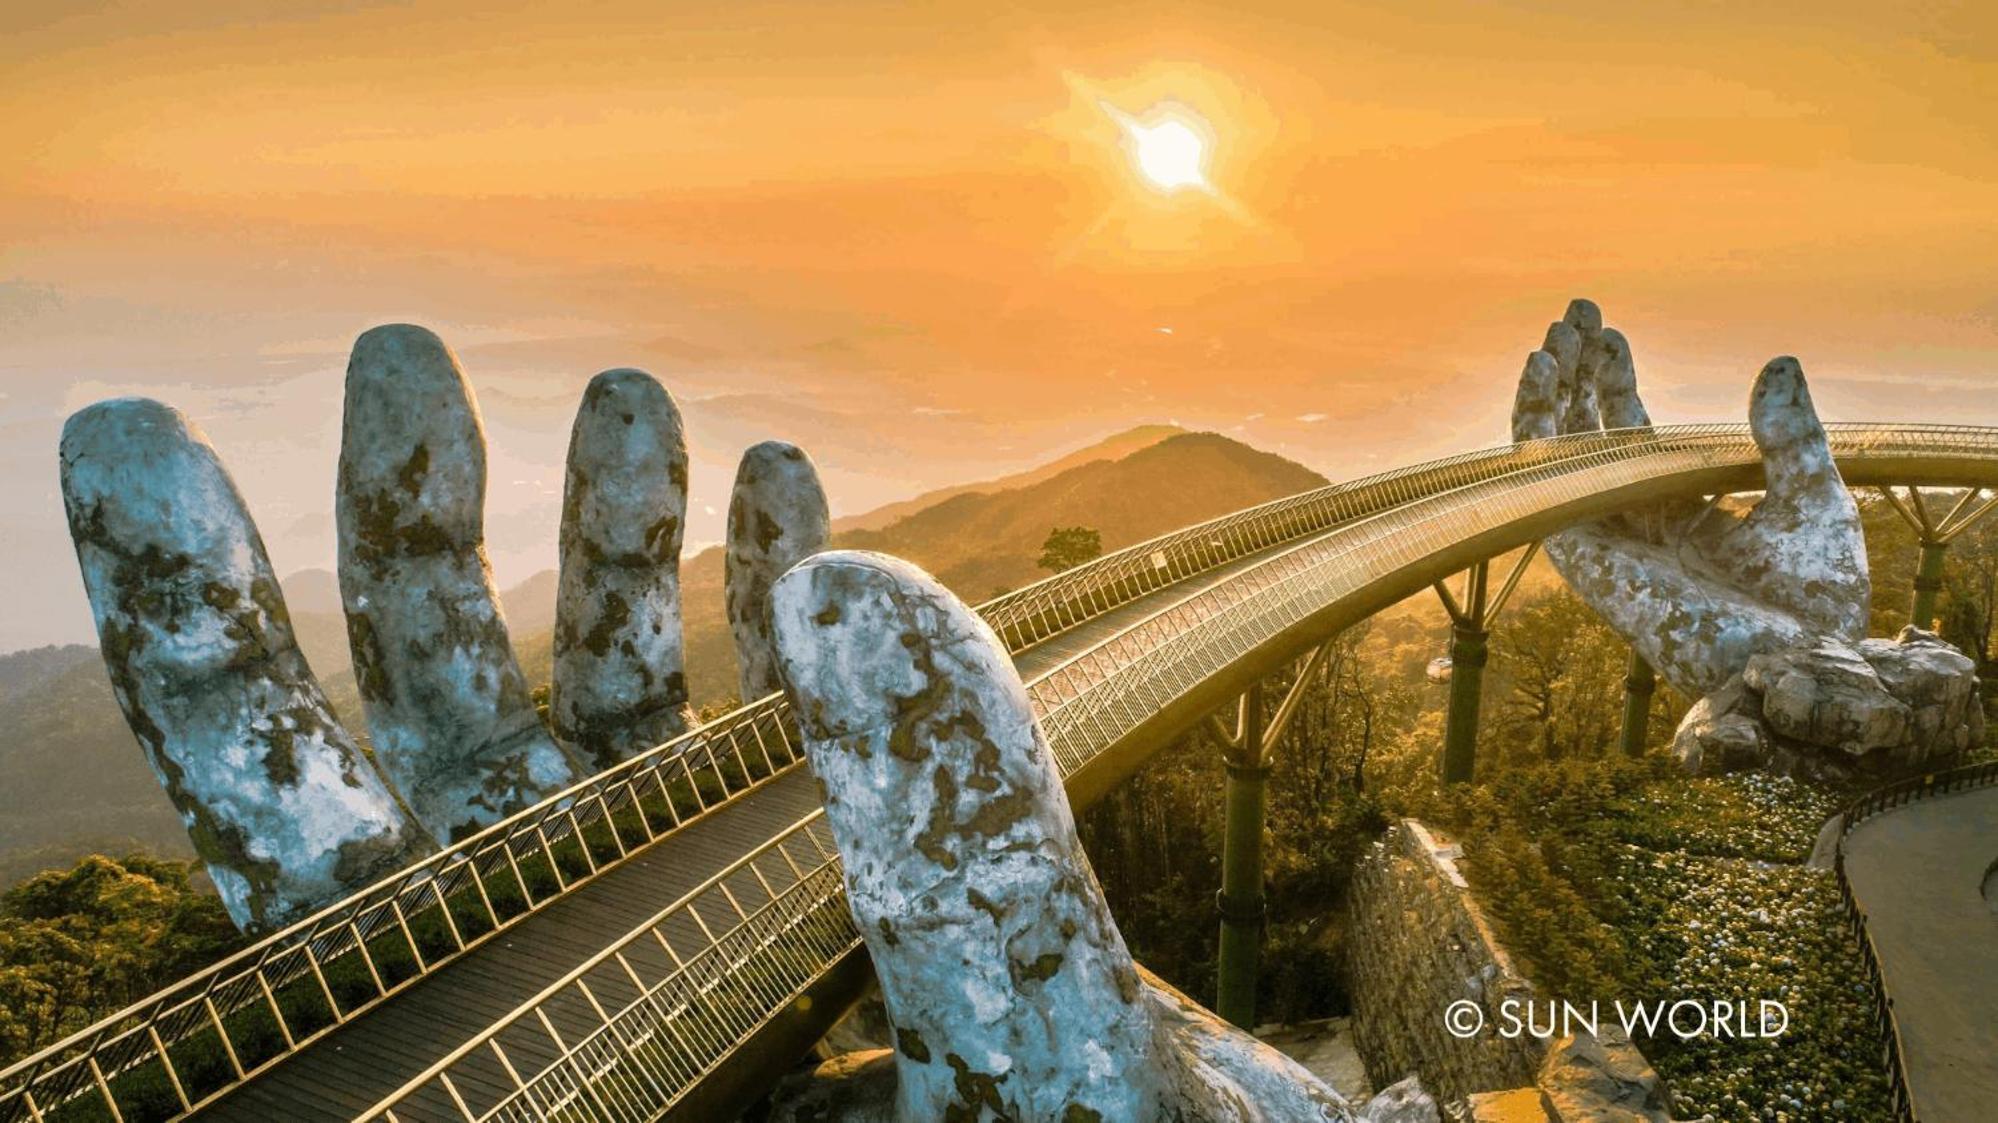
[(77, 782), (1109, 448), (979, 543), (312, 592)]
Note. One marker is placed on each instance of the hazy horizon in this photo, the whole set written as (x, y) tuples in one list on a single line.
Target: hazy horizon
[(912, 242)]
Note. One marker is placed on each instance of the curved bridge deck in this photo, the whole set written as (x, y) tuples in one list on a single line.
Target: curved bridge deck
[(710, 943), (1919, 871)]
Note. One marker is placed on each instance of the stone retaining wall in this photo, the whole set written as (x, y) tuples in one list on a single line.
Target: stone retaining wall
[(1419, 943)]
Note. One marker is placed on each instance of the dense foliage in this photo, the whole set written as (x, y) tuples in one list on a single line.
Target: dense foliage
[(81, 943)]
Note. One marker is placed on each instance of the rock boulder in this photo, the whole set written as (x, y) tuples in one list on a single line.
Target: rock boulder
[(1834, 710)]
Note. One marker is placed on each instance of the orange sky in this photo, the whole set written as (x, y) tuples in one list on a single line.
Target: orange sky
[(911, 241)]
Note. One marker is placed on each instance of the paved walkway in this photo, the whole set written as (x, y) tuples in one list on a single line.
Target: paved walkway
[(1919, 871)]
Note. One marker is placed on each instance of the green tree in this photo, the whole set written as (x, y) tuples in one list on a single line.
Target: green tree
[(81, 943), (1069, 546), (1561, 671)]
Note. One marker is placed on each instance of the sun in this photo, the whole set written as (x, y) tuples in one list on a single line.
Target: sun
[(1169, 148)]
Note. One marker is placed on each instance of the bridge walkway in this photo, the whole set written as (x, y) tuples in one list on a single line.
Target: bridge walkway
[(365, 1060), (1918, 871)]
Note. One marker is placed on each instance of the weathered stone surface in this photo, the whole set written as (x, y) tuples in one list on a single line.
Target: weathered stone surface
[(777, 517), (1615, 376), (453, 726), (1800, 548), (278, 799), (620, 682), (1825, 694), (1937, 682), (1587, 1080), (1715, 741), (1700, 591), (1011, 992), (1837, 711), (1402, 1102)]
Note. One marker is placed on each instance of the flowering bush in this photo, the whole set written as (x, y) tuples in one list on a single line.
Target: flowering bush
[(1615, 880), (1738, 929), (1746, 815)]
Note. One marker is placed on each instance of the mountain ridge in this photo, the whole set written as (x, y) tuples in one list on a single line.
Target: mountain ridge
[(1114, 447)]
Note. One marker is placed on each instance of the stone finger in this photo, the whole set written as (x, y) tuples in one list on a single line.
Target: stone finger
[(1536, 404), (1801, 547), (1615, 377), (279, 800), (620, 683), (454, 727), (777, 517), (1579, 411), (986, 926)]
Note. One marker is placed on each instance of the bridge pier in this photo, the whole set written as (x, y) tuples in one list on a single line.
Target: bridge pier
[(1640, 682), (1935, 535), (1928, 582), (1240, 902), (1471, 618)]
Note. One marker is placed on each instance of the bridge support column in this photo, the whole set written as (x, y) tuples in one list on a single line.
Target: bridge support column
[(1240, 901), (1469, 650), (1241, 898), (1935, 535), (1639, 683), (1471, 618), (1928, 582)]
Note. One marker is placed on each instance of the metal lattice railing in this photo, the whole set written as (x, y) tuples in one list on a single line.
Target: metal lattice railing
[(188, 1044), (634, 1064), (288, 990), (646, 1018)]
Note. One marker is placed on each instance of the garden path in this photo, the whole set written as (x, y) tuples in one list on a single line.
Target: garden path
[(1919, 871)]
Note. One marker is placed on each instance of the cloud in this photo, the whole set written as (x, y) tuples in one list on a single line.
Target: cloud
[(1312, 418)]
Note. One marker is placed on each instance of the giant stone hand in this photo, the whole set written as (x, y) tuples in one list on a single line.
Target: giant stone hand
[(1010, 989), (1698, 589), (1760, 614), (279, 800)]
